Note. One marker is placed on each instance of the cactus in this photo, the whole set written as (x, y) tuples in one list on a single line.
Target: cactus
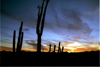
[(14, 39), (50, 48), (62, 49), (20, 38), (54, 48), (39, 30), (59, 48)]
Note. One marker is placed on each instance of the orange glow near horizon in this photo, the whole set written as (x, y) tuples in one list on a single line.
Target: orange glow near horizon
[(68, 49)]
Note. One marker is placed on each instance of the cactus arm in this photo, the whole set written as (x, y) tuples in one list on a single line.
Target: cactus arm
[(43, 20), (42, 26), (39, 18), (38, 22), (42, 9), (21, 25)]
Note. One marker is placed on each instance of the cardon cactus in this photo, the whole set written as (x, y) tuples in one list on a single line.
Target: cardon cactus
[(39, 28), (20, 38)]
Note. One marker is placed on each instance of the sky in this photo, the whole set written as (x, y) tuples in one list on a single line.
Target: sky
[(74, 23)]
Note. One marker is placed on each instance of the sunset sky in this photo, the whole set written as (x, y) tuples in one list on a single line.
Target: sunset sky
[(74, 23)]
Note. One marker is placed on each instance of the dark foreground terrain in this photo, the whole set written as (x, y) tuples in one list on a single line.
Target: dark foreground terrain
[(42, 59)]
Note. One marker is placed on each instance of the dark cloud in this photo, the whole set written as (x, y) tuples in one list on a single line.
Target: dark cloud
[(32, 43), (76, 25), (91, 4), (67, 35), (48, 42), (69, 22), (27, 29)]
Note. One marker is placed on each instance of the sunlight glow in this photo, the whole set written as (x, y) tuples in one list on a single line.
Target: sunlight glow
[(75, 44), (44, 45), (69, 48), (72, 50)]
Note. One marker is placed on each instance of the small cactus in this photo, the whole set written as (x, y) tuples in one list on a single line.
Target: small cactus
[(59, 48), (54, 48), (50, 48), (62, 49)]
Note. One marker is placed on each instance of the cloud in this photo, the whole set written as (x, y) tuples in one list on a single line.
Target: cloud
[(34, 44), (6, 34), (64, 20), (5, 48), (26, 29), (88, 48), (45, 44), (83, 46), (75, 24), (60, 20), (68, 22), (99, 43)]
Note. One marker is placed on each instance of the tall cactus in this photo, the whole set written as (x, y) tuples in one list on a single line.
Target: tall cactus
[(62, 49), (59, 48), (54, 48), (50, 48), (20, 38), (39, 30), (14, 40)]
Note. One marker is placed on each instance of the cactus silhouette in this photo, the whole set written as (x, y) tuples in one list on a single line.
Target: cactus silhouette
[(54, 48), (50, 48), (14, 39), (39, 30), (59, 48), (62, 49), (20, 38)]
